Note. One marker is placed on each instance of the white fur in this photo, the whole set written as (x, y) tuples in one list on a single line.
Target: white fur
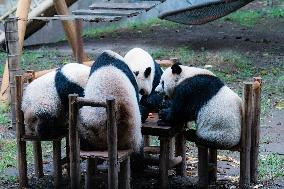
[(106, 82), (138, 60), (220, 119), (41, 96), (76, 73)]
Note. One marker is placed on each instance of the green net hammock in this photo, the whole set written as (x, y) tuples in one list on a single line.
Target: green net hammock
[(201, 12)]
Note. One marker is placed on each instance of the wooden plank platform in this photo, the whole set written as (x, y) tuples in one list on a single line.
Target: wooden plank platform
[(122, 154), (150, 127), (147, 5), (107, 12)]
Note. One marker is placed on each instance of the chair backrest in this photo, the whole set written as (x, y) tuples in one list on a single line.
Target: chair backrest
[(75, 103)]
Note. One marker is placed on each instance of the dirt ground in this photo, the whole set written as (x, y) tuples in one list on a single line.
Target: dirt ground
[(263, 44)]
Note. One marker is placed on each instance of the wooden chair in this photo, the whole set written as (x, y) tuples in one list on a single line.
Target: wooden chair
[(172, 149), (248, 147), (22, 138), (118, 160)]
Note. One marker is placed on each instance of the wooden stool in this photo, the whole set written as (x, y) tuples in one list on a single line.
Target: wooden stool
[(22, 138), (118, 160), (248, 147), (168, 159)]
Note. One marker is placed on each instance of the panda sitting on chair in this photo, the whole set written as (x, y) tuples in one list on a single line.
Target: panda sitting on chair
[(198, 95)]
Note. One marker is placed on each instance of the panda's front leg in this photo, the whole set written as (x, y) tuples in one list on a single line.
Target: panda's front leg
[(165, 117)]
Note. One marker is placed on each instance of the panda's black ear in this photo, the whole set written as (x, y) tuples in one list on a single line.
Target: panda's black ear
[(147, 72), (176, 69)]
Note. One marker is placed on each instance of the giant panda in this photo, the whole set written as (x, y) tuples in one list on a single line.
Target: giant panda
[(148, 74), (198, 95), (111, 77), (45, 100)]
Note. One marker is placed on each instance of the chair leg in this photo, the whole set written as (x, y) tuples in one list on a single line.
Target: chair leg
[(38, 159), (124, 175), (68, 155), (22, 164), (213, 165), (164, 161), (91, 169), (57, 174), (181, 151), (203, 167)]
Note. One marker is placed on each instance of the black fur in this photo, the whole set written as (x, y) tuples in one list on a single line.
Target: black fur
[(147, 72), (64, 87), (106, 59), (176, 69), (189, 97)]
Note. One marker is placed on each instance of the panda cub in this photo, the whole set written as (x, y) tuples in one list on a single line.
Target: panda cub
[(148, 74), (45, 100), (198, 95), (111, 77)]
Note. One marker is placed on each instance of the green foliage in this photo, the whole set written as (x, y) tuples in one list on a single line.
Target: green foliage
[(276, 12), (113, 29), (271, 166), (246, 18)]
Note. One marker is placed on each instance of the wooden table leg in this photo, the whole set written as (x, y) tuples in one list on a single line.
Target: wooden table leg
[(213, 165), (181, 151), (164, 162), (203, 167), (57, 174)]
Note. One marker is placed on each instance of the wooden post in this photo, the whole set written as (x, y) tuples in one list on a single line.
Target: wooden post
[(212, 165), (112, 144), (91, 169), (79, 46), (20, 131), (57, 168), (74, 143), (255, 130), (164, 162), (23, 8), (146, 140), (68, 155), (172, 148), (37, 151), (246, 136), (69, 27), (181, 151), (11, 29), (203, 167), (124, 176)]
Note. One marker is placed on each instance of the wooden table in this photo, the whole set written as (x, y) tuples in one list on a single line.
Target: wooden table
[(167, 157)]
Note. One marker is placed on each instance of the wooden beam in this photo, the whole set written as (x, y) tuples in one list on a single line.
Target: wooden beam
[(128, 6), (69, 26)]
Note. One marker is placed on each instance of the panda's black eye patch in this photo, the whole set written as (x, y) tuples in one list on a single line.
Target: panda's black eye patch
[(147, 72), (163, 84), (136, 73)]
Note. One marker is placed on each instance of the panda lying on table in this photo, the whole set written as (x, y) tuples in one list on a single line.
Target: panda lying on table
[(198, 95)]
